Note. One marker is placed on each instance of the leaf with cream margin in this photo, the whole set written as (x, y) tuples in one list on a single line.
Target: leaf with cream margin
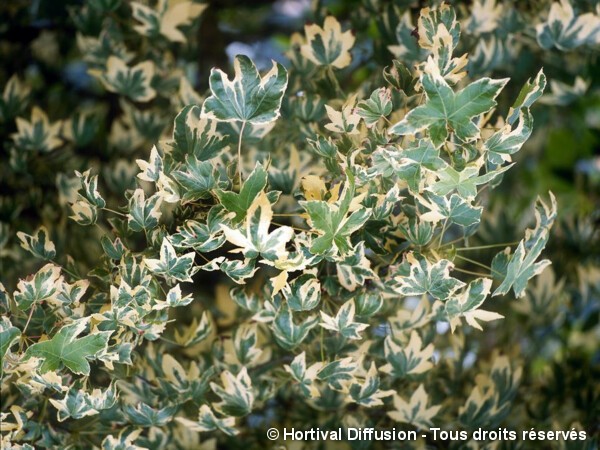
[(466, 181), (344, 121), (304, 293), (415, 411), (133, 82), (305, 376), (37, 134), (236, 394), (453, 210), (9, 334), (256, 240), (144, 214), (151, 169), (467, 303), (516, 269), (343, 322), (417, 276), (507, 141), (378, 105), (355, 269), (44, 286), (447, 111), (171, 266), (38, 244), (368, 393), (166, 19), (409, 359), (328, 46), (207, 421), (530, 92), (197, 332), (565, 30), (334, 222), (248, 97)]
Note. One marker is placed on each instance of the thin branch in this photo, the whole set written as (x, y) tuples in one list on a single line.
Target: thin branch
[(481, 247), (239, 151)]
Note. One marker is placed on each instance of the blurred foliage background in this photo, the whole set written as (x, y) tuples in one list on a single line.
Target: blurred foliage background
[(52, 45)]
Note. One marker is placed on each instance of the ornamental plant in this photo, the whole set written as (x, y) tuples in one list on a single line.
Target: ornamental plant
[(292, 254)]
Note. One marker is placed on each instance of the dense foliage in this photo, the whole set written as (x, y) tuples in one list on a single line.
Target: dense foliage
[(349, 237)]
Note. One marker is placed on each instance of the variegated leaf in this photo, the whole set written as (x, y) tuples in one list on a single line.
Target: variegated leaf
[(166, 19), (328, 46), (248, 97), (343, 322), (417, 276), (409, 359), (416, 411), (256, 239), (38, 244), (171, 266), (236, 394)]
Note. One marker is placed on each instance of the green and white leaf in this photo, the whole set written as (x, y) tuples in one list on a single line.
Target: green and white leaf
[(565, 30), (467, 303), (45, 286), (239, 203), (507, 141), (333, 225), (415, 411), (286, 332), (144, 214), (166, 19), (328, 46), (195, 135), (355, 269), (516, 269), (418, 276), (144, 415), (90, 188), (37, 134), (453, 210), (377, 106), (305, 376), (84, 213), (198, 179), (203, 237), (343, 322), (171, 266), (77, 403), (174, 299), (239, 270), (530, 92), (151, 169), (207, 421), (368, 393), (236, 394), (446, 111), (197, 332), (38, 244), (411, 359), (248, 97), (466, 181), (303, 294), (9, 334), (339, 373), (256, 239), (345, 121), (133, 82)]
